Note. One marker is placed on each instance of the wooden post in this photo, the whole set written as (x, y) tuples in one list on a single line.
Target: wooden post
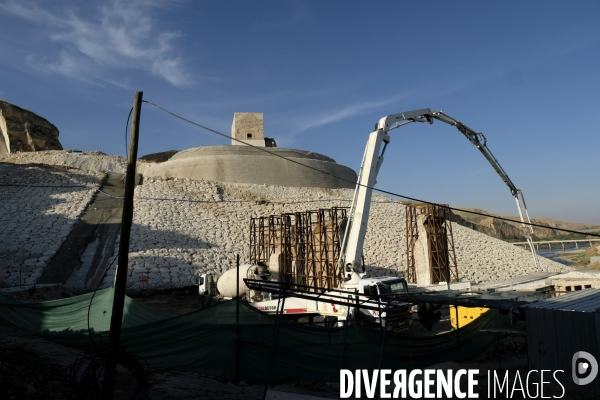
[(121, 275), (237, 321), (275, 336)]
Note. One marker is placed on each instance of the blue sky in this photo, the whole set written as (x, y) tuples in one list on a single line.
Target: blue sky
[(323, 73)]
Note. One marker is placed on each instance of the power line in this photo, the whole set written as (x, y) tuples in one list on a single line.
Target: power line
[(317, 170), (47, 186), (354, 183), (126, 126), (97, 189)]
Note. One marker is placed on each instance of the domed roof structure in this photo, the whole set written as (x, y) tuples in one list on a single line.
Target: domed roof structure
[(245, 164)]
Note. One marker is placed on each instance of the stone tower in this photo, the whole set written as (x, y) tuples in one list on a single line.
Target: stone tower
[(249, 128)]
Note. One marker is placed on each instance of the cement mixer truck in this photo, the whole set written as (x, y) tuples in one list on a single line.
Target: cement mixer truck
[(363, 304)]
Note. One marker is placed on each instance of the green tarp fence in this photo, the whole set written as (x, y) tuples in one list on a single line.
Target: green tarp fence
[(210, 342)]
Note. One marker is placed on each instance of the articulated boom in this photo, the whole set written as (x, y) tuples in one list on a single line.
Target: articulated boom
[(351, 251), (478, 140)]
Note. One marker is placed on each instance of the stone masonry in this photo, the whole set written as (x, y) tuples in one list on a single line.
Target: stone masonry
[(183, 228), (35, 220), (249, 127)]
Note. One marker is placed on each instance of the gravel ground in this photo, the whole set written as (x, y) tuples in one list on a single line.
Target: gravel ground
[(38, 207), (90, 161), (183, 228)]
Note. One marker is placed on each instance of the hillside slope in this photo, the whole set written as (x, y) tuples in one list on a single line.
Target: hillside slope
[(183, 228), (512, 231)]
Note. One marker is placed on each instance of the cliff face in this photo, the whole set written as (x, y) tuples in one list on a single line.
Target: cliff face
[(512, 231), (488, 225), (23, 130)]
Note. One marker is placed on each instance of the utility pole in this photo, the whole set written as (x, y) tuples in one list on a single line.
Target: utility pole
[(121, 278)]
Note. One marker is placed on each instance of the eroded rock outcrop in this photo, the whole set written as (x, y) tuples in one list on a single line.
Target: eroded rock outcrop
[(23, 130)]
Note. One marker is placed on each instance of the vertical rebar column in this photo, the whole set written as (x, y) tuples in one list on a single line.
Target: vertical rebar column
[(441, 255), (288, 229), (437, 244), (313, 261), (253, 241), (273, 240), (452, 264), (323, 277), (300, 246), (339, 214), (412, 235), (263, 244)]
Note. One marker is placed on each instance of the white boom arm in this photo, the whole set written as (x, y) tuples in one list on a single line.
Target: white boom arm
[(354, 236), (478, 140)]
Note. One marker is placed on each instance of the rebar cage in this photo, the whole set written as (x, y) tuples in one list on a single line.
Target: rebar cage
[(440, 242), (308, 244)]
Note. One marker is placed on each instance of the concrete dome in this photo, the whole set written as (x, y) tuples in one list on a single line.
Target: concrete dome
[(244, 164)]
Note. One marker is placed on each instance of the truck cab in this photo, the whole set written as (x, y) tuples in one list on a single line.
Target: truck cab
[(383, 285), (381, 289)]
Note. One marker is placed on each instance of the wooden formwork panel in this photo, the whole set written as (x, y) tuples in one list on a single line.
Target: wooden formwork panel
[(308, 243), (440, 242)]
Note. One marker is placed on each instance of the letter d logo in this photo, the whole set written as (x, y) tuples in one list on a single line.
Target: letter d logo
[(583, 367)]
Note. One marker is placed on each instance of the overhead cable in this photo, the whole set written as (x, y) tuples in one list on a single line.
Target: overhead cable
[(354, 183)]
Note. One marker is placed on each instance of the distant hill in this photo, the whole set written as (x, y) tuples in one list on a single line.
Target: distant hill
[(512, 231)]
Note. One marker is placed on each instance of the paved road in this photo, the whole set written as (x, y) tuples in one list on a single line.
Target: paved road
[(83, 257)]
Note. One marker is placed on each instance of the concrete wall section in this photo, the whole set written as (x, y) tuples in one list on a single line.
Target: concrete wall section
[(248, 151), (421, 252), (248, 165), (257, 143)]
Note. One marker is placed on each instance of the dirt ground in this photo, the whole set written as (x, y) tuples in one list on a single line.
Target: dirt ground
[(32, 368)]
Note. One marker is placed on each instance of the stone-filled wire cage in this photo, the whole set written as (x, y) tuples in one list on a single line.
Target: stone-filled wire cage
[(440, 242), (308, 244)]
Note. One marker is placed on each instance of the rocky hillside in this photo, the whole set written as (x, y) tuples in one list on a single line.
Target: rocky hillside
[(23, 130), (183, 228), (512, 231)]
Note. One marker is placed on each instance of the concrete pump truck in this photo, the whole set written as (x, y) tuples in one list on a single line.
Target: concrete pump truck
[(357, 297)]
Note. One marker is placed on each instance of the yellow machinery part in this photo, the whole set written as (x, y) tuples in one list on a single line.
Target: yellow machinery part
[(461, 316)]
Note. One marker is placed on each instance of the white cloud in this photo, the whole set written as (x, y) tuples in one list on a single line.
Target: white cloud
[(169, 69), (294, 126), (122, 35)]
